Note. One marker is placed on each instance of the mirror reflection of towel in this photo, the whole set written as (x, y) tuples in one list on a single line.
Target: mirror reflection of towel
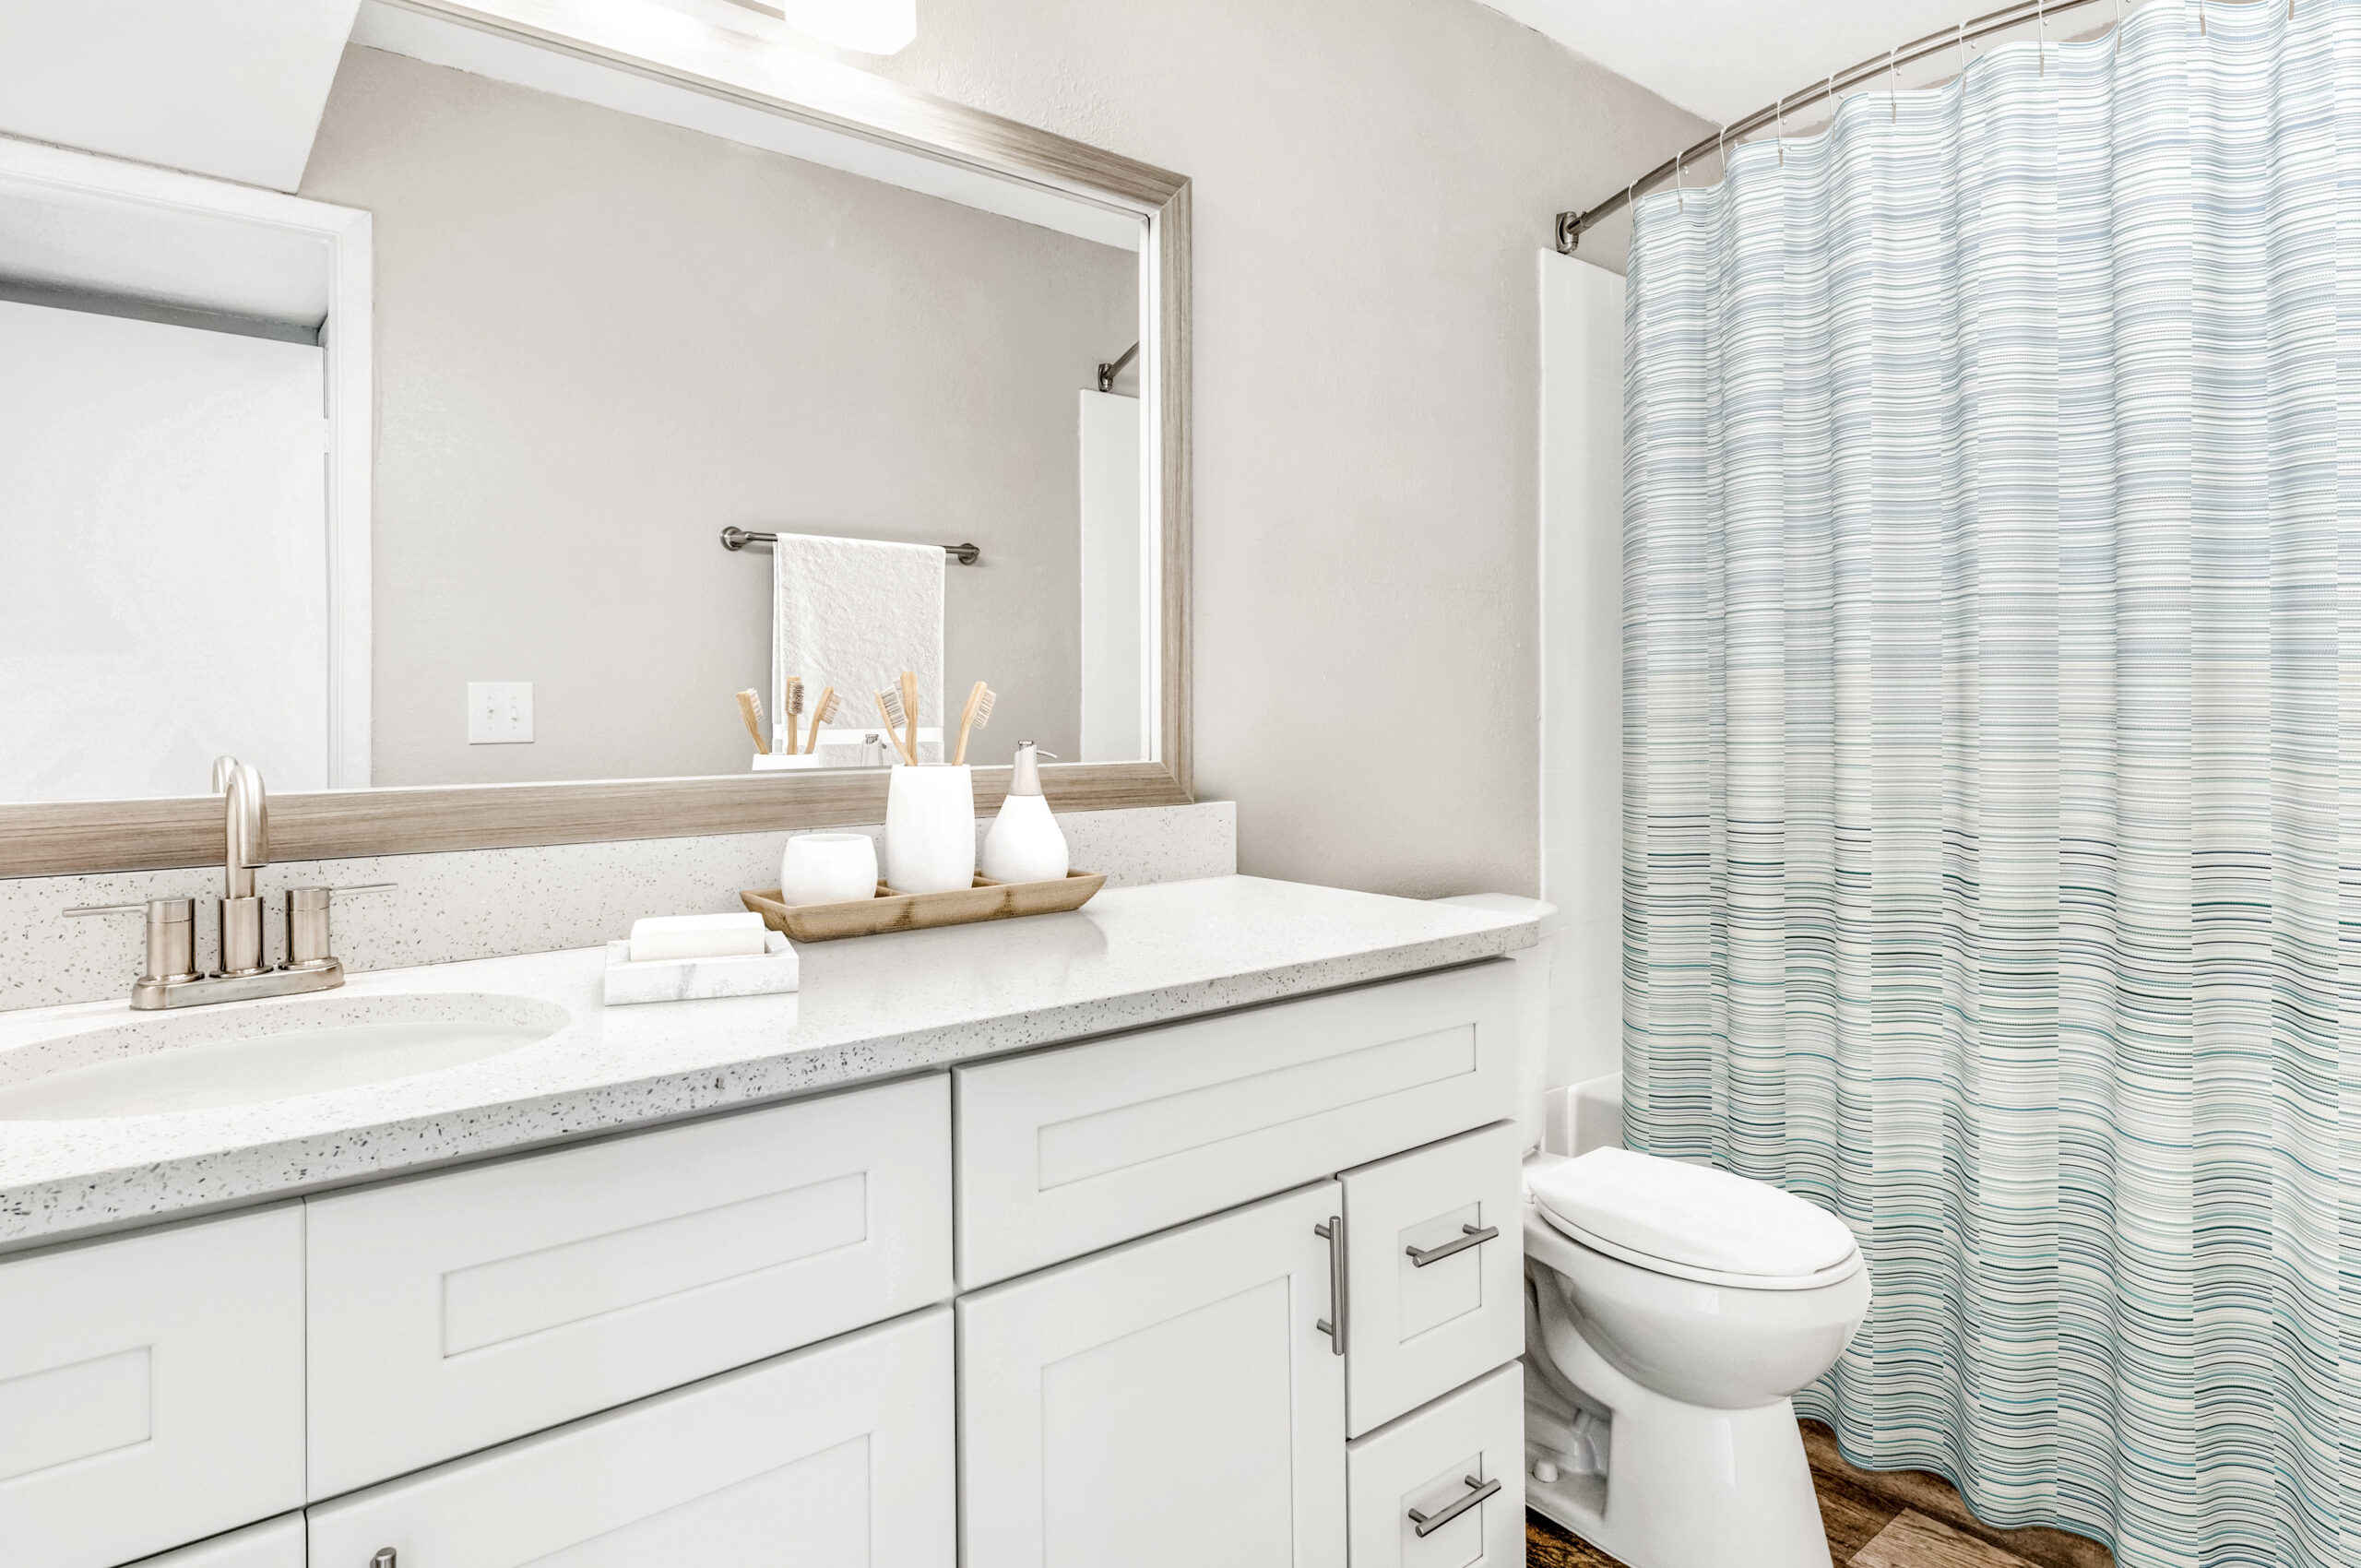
[(854, 613)]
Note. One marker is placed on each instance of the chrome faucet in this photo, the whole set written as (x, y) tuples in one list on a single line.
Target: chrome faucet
[(245, 848), (171, 977)]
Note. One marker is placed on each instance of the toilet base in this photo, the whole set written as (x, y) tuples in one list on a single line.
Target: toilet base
[(1686, 1486)]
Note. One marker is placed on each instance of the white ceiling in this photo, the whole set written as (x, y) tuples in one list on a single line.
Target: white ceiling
[(232, 87), (1723, 59)]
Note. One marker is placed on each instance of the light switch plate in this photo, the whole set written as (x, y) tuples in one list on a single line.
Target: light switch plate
[(500, 713)]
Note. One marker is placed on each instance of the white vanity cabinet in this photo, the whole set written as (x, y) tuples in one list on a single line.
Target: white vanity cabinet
[(152, 1390), (837, 1456), (1186, 1398), (1172, 1401), (1243, 1289)]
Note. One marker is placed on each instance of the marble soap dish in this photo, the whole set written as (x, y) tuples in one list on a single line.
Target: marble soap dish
[(767, 973)]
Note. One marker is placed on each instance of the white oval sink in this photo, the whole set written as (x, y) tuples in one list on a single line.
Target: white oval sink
[(248, 1053)]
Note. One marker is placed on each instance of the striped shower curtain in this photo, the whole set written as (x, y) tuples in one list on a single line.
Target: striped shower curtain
[(1993, 758)]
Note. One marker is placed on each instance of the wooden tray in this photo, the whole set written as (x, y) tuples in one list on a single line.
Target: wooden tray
[(987, 900)]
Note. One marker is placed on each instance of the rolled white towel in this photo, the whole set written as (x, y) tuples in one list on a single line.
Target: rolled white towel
[(695, 936)]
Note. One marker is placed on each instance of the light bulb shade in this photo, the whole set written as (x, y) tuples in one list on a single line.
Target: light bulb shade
[(873, 26)]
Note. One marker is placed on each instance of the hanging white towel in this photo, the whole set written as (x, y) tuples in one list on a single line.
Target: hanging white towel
[(854, 613)]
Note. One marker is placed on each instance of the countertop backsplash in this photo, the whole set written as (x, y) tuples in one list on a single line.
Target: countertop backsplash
[(491, 903)]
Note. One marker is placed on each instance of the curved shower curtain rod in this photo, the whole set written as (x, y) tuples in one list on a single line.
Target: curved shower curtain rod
[(1572, 224)]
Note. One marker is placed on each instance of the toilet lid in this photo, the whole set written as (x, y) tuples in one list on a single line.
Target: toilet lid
[(1690, 1217)]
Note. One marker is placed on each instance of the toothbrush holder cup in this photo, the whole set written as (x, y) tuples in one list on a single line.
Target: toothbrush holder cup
[(931, 828)]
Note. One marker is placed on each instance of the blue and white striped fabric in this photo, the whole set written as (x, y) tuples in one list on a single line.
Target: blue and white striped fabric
[(1993, 746)]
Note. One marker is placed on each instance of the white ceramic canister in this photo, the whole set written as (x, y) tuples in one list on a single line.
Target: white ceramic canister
[(828, 868), (930, 828)]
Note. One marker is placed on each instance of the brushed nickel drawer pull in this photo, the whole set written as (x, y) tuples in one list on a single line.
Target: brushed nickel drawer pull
[(1334, 1328), (1427, 1523), (1469, 1236)]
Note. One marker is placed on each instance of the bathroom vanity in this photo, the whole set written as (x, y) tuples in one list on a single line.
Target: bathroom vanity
[(1183, 1229)]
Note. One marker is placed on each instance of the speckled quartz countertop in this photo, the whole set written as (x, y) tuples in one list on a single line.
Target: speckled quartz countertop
[(870, 1007)]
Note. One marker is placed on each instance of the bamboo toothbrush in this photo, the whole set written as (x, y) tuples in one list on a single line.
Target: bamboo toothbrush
[(889, 709), (979, 714), (750, 707), (910, 712), (793, 703), (822, 712)]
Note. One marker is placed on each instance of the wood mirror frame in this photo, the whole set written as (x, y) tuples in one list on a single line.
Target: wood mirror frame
[(66, 837)]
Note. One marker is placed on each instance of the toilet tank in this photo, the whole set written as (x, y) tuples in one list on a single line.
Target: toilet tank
[(1532, 1006)]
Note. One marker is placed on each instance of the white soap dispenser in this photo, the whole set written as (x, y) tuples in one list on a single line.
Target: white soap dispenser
[(1024, 843)]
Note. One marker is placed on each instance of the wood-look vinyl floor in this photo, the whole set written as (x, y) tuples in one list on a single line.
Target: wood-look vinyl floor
[(1875, 1519)]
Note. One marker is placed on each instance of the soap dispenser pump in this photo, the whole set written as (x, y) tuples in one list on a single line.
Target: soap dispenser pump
[(1024, 843)]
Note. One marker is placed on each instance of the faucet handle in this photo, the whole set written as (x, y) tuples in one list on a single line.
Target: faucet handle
[(307, 922), (172, 934)]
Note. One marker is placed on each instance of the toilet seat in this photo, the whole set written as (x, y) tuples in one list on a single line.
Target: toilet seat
[(1691, 1222)]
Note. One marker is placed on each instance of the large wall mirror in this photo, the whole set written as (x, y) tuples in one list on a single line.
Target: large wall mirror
[(610, 361)]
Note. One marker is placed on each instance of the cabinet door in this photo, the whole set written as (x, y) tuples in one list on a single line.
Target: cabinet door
[(463, 1309), (152, 1390), (835, 1456), (1444, 1487), (1170, 1404), (1436, 1276)]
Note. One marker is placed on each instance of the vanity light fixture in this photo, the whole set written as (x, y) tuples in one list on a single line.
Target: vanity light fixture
[(873, 27)]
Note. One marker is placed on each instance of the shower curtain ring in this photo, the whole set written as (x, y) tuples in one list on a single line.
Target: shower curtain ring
[(1893, 102), (1779, 130)]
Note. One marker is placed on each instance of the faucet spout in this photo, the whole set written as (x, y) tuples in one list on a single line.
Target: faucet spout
[(246, 825)]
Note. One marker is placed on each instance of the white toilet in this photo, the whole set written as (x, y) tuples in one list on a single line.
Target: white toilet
[(1670, 1311)]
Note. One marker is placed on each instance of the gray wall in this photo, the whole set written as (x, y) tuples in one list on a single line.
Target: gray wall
[(600, 339), (1373, 179)]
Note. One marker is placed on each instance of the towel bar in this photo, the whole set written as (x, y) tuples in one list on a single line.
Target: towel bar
[(738, 538)]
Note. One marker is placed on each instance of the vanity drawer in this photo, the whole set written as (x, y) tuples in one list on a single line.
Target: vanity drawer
[(459, 1310), (277, 1544), (1066, 1151), (841, 1454), (1419, 1329), (152, 1390), (1424, 1462)]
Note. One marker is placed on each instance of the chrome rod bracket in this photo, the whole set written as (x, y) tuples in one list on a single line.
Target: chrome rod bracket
[(1109, 371)]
